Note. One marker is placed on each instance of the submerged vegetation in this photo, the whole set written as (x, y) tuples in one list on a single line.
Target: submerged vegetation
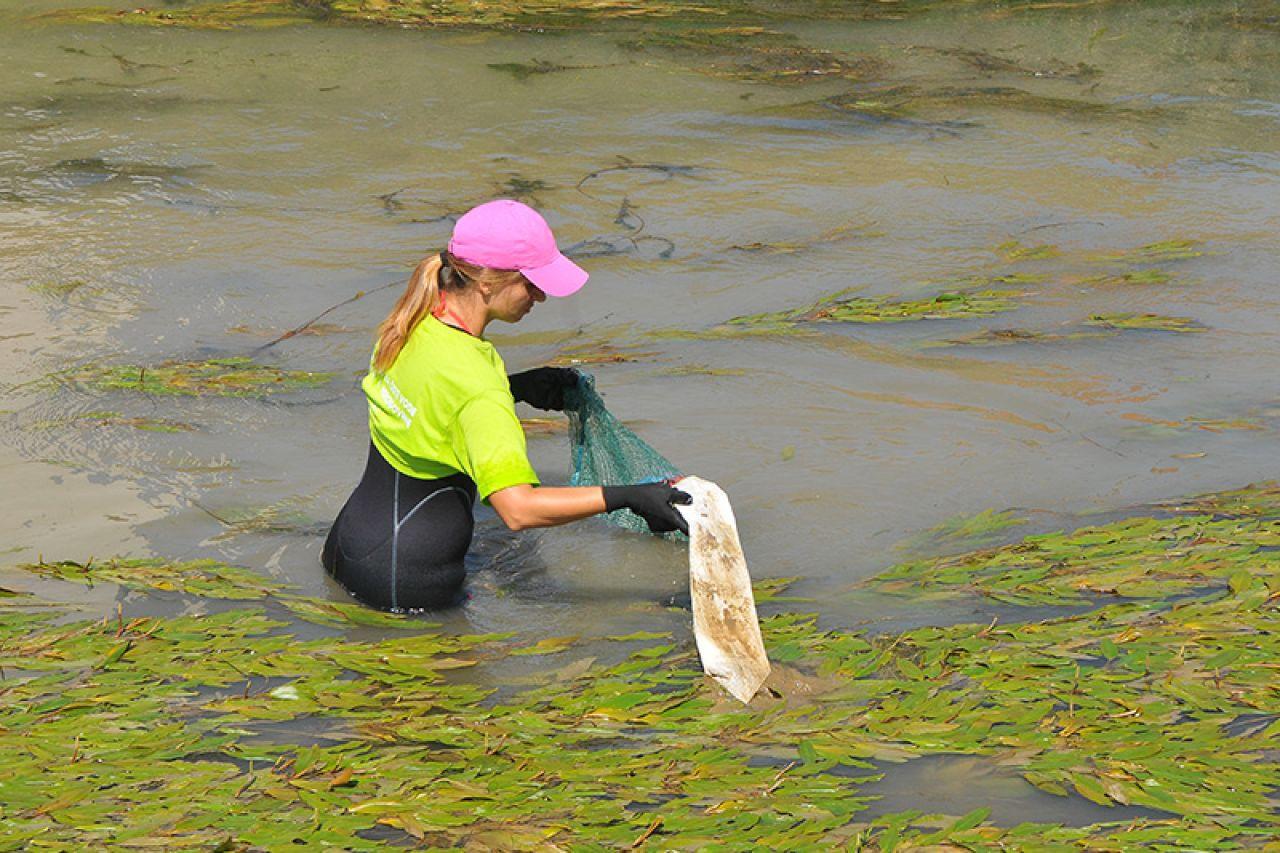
[(59, 288), (1159, 426), (716, 24), (1145, 322), (199, 577), (236, 376), (597, 351), (1165, 250), (115, 419), (1160, 695), (828, 237), (1013, 251), (721, 22), (1133, 277), (724, 39), (983, 295), (214, 580), (535, 67), (756, 53), (1005, 337), (735, 39), (843, 308), (909, 101), (965, 531), (283, 516), (1218, 542)]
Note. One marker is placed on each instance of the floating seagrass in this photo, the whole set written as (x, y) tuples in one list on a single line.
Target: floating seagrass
[(1148, 322), (236, 376), (1013, 251), (843, 308), (1132, 277), (1165, 250), (1156, 700)]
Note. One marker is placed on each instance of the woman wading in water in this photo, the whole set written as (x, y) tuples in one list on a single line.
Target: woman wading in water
[(442, 419)]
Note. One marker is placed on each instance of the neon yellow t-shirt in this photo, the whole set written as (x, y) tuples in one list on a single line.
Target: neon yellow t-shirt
[(445, 406)]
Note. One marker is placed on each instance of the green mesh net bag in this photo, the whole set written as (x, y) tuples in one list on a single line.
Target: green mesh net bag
[(606, 453)]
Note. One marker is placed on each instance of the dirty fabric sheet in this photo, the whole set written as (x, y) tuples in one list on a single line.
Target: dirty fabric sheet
[(607, 453), (725, 624)]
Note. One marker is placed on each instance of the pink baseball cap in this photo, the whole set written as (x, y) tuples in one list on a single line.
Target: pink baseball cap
[(508, 235)]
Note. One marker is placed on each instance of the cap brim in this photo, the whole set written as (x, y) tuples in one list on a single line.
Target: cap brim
[(561, 277)]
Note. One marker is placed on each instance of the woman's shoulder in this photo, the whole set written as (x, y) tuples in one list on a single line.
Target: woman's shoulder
[(455, 355)]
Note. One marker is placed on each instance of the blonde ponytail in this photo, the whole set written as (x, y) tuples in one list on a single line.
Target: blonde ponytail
[(418, 299)]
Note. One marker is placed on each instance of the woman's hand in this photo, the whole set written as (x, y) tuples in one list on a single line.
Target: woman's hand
[(654, 502), (543, 387)]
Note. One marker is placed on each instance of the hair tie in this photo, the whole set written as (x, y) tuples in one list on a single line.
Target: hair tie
[(443, 275)]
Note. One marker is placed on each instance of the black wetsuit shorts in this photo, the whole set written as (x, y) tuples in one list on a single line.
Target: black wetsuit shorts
[(399, 542)]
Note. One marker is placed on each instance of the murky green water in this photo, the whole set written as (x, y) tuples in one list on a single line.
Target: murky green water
[(178, 194)]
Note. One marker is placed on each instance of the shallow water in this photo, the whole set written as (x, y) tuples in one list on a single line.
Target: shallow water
[(176, 194), (958, 784)]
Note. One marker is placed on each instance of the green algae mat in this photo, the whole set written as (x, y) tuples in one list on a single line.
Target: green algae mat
[(1152, 686)]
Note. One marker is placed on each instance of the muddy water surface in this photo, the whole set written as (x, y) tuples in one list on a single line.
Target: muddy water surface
[(180, 194)]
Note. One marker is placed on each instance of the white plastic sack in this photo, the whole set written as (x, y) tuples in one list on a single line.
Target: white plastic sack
[(725, 624)]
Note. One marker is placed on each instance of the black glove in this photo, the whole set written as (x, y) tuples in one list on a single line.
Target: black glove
[(543, 387), (651, 501)]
